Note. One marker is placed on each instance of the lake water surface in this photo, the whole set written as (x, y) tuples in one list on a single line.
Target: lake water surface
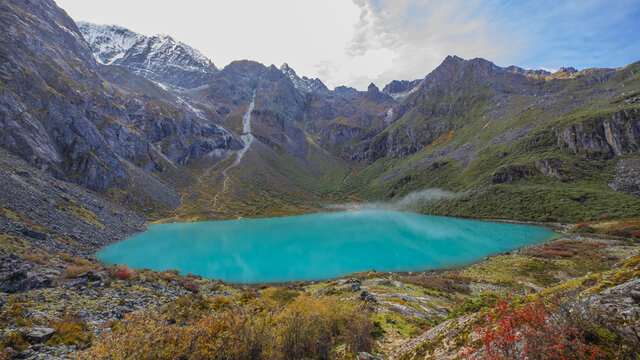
[(318, 246)]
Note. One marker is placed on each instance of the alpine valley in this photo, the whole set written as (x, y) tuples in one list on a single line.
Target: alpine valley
[(104, 131)]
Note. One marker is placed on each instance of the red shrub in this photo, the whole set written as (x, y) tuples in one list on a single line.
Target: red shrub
[(603, 217), (636, 234), (191, 286), (530, 333), (124, 273), (583, 225)]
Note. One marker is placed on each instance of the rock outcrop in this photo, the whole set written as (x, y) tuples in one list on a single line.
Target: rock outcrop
[(617, 308), (551, 168), (509, 174), (617, 134)]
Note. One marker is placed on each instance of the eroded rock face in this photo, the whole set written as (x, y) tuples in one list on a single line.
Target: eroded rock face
[(509, 174), (627, 176), (617, 135), (398, 87), (550, 168)]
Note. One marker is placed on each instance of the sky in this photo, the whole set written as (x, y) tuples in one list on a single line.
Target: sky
[(356, 42)]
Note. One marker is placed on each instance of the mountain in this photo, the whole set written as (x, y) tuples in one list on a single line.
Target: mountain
[(158, 58)]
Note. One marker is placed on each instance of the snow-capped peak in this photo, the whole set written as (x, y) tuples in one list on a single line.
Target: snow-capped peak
[(304, 84), (158, 58)]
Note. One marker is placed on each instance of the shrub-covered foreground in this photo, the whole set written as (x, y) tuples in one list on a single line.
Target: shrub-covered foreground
[(531, 331), (262, 328)]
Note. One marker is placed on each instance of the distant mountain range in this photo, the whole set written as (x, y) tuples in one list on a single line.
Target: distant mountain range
[(152, 124)]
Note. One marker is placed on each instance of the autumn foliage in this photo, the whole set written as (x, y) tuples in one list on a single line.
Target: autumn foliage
[(122, 272), (191, 286), (530, 332), (262, 328)]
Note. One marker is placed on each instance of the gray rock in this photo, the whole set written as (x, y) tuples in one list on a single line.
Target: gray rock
[(38, 334), (366, 356), (368, 297), (385, 282)]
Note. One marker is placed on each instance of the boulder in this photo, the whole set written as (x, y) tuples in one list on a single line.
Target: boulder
[(368, 297), (23, 280), (38, 334), (366, 356)]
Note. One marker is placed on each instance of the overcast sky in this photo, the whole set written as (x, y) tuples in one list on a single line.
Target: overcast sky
[(357, 42)]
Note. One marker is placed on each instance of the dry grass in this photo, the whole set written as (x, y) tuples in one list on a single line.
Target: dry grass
[(73, 271), (569, 249)]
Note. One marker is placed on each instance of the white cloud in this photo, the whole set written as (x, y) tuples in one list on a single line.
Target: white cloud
[(339, 41)]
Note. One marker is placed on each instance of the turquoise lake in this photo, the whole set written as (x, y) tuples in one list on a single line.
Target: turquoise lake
[(318, 246)]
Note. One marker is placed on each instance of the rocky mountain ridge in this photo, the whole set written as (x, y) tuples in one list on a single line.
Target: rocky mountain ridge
[(128, 126)]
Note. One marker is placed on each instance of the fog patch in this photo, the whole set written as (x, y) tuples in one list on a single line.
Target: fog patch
[(408, 202)]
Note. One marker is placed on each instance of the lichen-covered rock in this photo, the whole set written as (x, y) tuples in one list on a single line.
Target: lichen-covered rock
[(366, 356), (618, 309), (444, 341)]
